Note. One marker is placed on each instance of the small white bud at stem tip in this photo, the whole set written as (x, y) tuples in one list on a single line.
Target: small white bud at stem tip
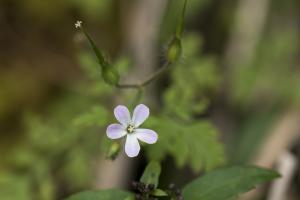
[(78, 24)]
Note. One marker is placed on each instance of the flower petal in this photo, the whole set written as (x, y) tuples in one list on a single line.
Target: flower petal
[(115, 131), (146, 135), (132, 146), (140, 114), (122, 115)]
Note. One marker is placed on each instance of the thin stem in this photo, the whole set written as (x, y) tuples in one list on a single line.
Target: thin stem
[(137, 97), (180, 25), (128, 86), (103, 62), (156, 74), (146, 82)]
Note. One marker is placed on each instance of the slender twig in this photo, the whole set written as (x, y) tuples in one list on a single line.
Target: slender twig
[(146, 82), (137, 97)]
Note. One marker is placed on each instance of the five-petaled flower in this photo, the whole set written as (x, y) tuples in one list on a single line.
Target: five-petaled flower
[(130, 127)]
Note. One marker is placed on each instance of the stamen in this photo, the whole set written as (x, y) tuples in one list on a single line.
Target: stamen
[(130, 129)]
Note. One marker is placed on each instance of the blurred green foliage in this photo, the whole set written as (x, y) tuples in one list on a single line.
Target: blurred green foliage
[(194, 7), (102, 195), (266, 86), (190, 141), (92, 9), (60, 146), (15, 186), (194, 78), (64, 141), (272, 73)]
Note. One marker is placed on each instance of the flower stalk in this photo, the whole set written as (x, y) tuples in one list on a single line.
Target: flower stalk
[(147, 81)]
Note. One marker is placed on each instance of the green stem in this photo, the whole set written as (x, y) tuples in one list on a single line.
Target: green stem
[(146, 82), (104, 63), (180, 25), (137, 97)]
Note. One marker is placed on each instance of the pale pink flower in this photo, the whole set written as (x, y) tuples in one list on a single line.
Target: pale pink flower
[(129, 127)]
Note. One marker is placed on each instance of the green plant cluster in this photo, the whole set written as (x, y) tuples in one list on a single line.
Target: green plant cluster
[(227, 183), (62, 145)]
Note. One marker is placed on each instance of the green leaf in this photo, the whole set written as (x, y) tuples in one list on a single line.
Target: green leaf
[(227, 183), (194, 144), (95, 116), (192, 82), (151, 174), (13, 186), (190, 141), (131, 197), (159, 193), (111, 194), (251, 133)]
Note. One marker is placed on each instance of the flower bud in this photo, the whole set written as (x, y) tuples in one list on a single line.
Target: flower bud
[(113, 151), (174, 50), (110, 75)]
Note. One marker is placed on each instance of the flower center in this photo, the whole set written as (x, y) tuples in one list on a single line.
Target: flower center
[(130, 129)]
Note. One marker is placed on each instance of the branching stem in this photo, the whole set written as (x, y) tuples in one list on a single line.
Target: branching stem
[(147, 81)]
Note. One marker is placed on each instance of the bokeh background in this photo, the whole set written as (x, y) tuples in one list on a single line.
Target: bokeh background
[(54, 106)]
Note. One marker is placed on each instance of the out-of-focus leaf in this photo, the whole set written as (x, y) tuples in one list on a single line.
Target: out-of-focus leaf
[(227, 183), (159, 193), (96, 116), (50, 138), (95, 9), (77, 168), (14, 186), (111, 194), (271, 75), (130, 198), (192, 82), (151, 174), (20, 157), (194, 7), (251, 134)]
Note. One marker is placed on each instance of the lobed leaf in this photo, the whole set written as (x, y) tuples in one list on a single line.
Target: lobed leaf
[(192, 82), (194, 144)]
